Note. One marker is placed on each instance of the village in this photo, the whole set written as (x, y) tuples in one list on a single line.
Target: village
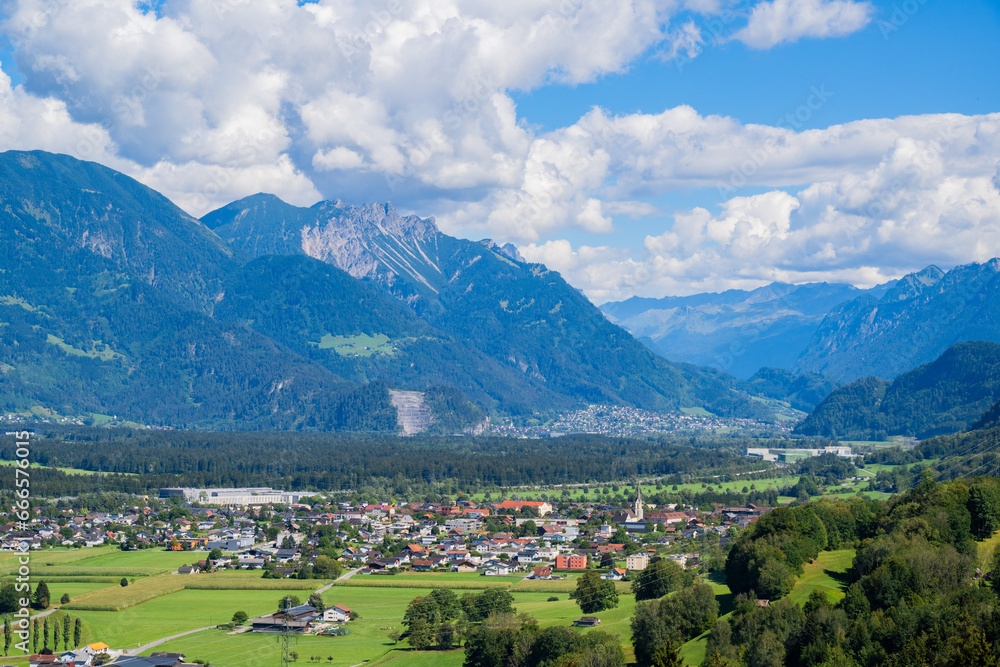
[(226, 530)]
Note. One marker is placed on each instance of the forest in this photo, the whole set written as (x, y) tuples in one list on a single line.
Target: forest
[(142, 460), (916, 595)]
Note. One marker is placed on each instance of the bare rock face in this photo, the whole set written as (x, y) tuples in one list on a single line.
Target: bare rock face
[(373, 241), (412, 413)]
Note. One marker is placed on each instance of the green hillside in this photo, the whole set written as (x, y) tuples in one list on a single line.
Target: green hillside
[(941, 397)]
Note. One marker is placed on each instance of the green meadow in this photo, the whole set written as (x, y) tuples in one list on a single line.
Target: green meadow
[(361, 345), (380, 609)]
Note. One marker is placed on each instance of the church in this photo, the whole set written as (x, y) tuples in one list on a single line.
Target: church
[(633, 519)]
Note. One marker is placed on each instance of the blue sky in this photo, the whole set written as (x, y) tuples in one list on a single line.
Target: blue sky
[(937, 59), (941, 59), (645, 147)]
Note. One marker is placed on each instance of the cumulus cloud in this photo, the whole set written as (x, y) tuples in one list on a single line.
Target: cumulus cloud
[(783, 21), (414, 91), (212, 100), (906, 212)]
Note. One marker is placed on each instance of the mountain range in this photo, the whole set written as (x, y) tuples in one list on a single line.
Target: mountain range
[(737, 331), (115, 302), (833, 330)]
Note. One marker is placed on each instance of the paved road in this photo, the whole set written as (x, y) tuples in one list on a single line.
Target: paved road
[(137, 651), (344, 577), (39, 615)]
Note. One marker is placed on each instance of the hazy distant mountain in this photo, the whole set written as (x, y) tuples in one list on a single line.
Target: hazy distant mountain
[(941, 397), (911, 324), (736, 331), (802, 392)]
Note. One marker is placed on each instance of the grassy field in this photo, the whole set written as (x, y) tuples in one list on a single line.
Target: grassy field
[(380, 609), (986, 548), (361, 345), (141, 559), (97, 352), (116, 598), (101, 562), (178, 612), (74, 589), (828, 573), (68, 471)]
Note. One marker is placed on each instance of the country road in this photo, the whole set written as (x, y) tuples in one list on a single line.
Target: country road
[(137, 651)]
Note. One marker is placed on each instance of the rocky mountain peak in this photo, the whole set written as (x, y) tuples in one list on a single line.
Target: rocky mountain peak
[(375, 218)]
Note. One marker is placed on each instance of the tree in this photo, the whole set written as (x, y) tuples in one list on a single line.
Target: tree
[(289, 601), (774, 580), (77, 631), (445, 636), (594, 594), (41, 597), (658, 579), (67, 626), (56, 634), (34, 635), (8, 598), (240, 617), (64, 599), (46, 632), (215, 554), (326, 568), (491, 601), (421, 633), (8, 634), (316, 600), (123, 582), (984, 506), (667, 655)]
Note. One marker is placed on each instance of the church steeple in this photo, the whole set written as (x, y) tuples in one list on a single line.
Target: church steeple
[(637, 509)]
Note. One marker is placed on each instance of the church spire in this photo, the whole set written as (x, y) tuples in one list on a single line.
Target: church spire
[(637, 510)]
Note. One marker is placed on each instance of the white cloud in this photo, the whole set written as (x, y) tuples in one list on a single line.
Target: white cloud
[(783, 21), (212, 100), (338, 158), (904, 213)]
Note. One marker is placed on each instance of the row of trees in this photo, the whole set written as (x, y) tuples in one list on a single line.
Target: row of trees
[(441, 618), (51, 633)]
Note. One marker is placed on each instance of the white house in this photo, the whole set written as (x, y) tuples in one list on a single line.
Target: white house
[(337, 614)]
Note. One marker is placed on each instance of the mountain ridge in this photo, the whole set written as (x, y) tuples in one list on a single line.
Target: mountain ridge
[(945, 396), (161, 321)]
